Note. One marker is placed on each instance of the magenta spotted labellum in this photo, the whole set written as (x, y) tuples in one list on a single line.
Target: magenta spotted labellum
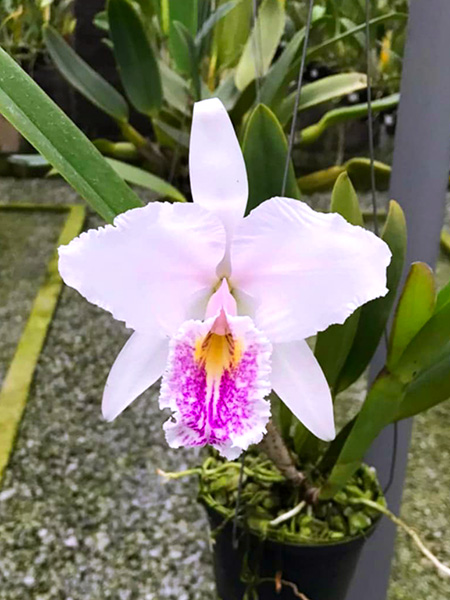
[(221, 305)]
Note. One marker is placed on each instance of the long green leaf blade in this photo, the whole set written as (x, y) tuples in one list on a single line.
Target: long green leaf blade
[(415, 308), (262, 43), (135, 58), (227, 48), (279, 70), (379, 409), (83, 78), (374, 315), (185, 12), (333, 345), (186, 41), (321, 91), (429, 389), (145, 179), (265, 150), (54, 135), (346, 113)]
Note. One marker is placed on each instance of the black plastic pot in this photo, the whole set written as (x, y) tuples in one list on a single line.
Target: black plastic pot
[(319, 572)]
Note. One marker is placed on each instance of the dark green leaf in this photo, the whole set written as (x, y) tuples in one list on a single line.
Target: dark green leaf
[(87, 81), (415, 308), (54, 136), (426, 348), (265, 149), (333, 345), (443, 297), (429, 389), (379, 409), (186, 41), (185, 12), (374, 315), (138, 68)]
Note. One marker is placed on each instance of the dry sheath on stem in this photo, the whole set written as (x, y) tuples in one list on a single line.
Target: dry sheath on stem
[(275, 448)]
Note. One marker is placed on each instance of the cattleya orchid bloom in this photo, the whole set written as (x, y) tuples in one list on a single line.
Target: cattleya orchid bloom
[(221, 305)]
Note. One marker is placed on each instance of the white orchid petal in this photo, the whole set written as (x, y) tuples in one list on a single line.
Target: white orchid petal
[(300, 383), (303, 269), (140, 363), (154, 268), (216, 165)]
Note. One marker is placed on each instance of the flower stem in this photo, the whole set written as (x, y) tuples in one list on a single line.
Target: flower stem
[(275, 448)]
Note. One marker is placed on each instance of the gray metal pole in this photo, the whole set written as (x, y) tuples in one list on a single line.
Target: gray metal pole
[(419, 184)]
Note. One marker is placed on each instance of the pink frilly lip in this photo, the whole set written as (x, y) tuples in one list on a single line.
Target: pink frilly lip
[(216, 381)]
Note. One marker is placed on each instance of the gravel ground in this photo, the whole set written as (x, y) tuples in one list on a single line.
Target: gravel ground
[(83, 514), (23, 259)]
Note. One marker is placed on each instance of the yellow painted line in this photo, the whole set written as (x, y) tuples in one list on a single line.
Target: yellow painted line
[(16, 386)]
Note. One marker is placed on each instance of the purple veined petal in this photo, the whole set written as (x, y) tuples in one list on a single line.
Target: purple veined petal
[(216, 165), (305, 270), (154, 268), (140, 363), (215, 386), (300, 383)]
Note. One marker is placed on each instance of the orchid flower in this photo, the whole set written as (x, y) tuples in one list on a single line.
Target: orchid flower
[(221, 305)]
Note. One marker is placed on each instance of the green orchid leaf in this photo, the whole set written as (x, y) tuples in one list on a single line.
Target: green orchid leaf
[(186, 41), (392, 16), (120, 150), (430, 388), (415, 308), (138, 176), (227, 92), (346, 113), (375, 314), (379, 409), (358, 170), (334, 448), (186, 13), (426, 348), (443, 297), (276, 76), (101, 20), (265, 149), (262, 43), (135, 58), (345, 201), (178, 136), (228, 48), (56, 138), (175, 89), (213, 19), (321, 91), (333, 345), (83, 78)]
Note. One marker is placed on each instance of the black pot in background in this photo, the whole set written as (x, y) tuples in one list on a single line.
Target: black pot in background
[(320, 572)]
